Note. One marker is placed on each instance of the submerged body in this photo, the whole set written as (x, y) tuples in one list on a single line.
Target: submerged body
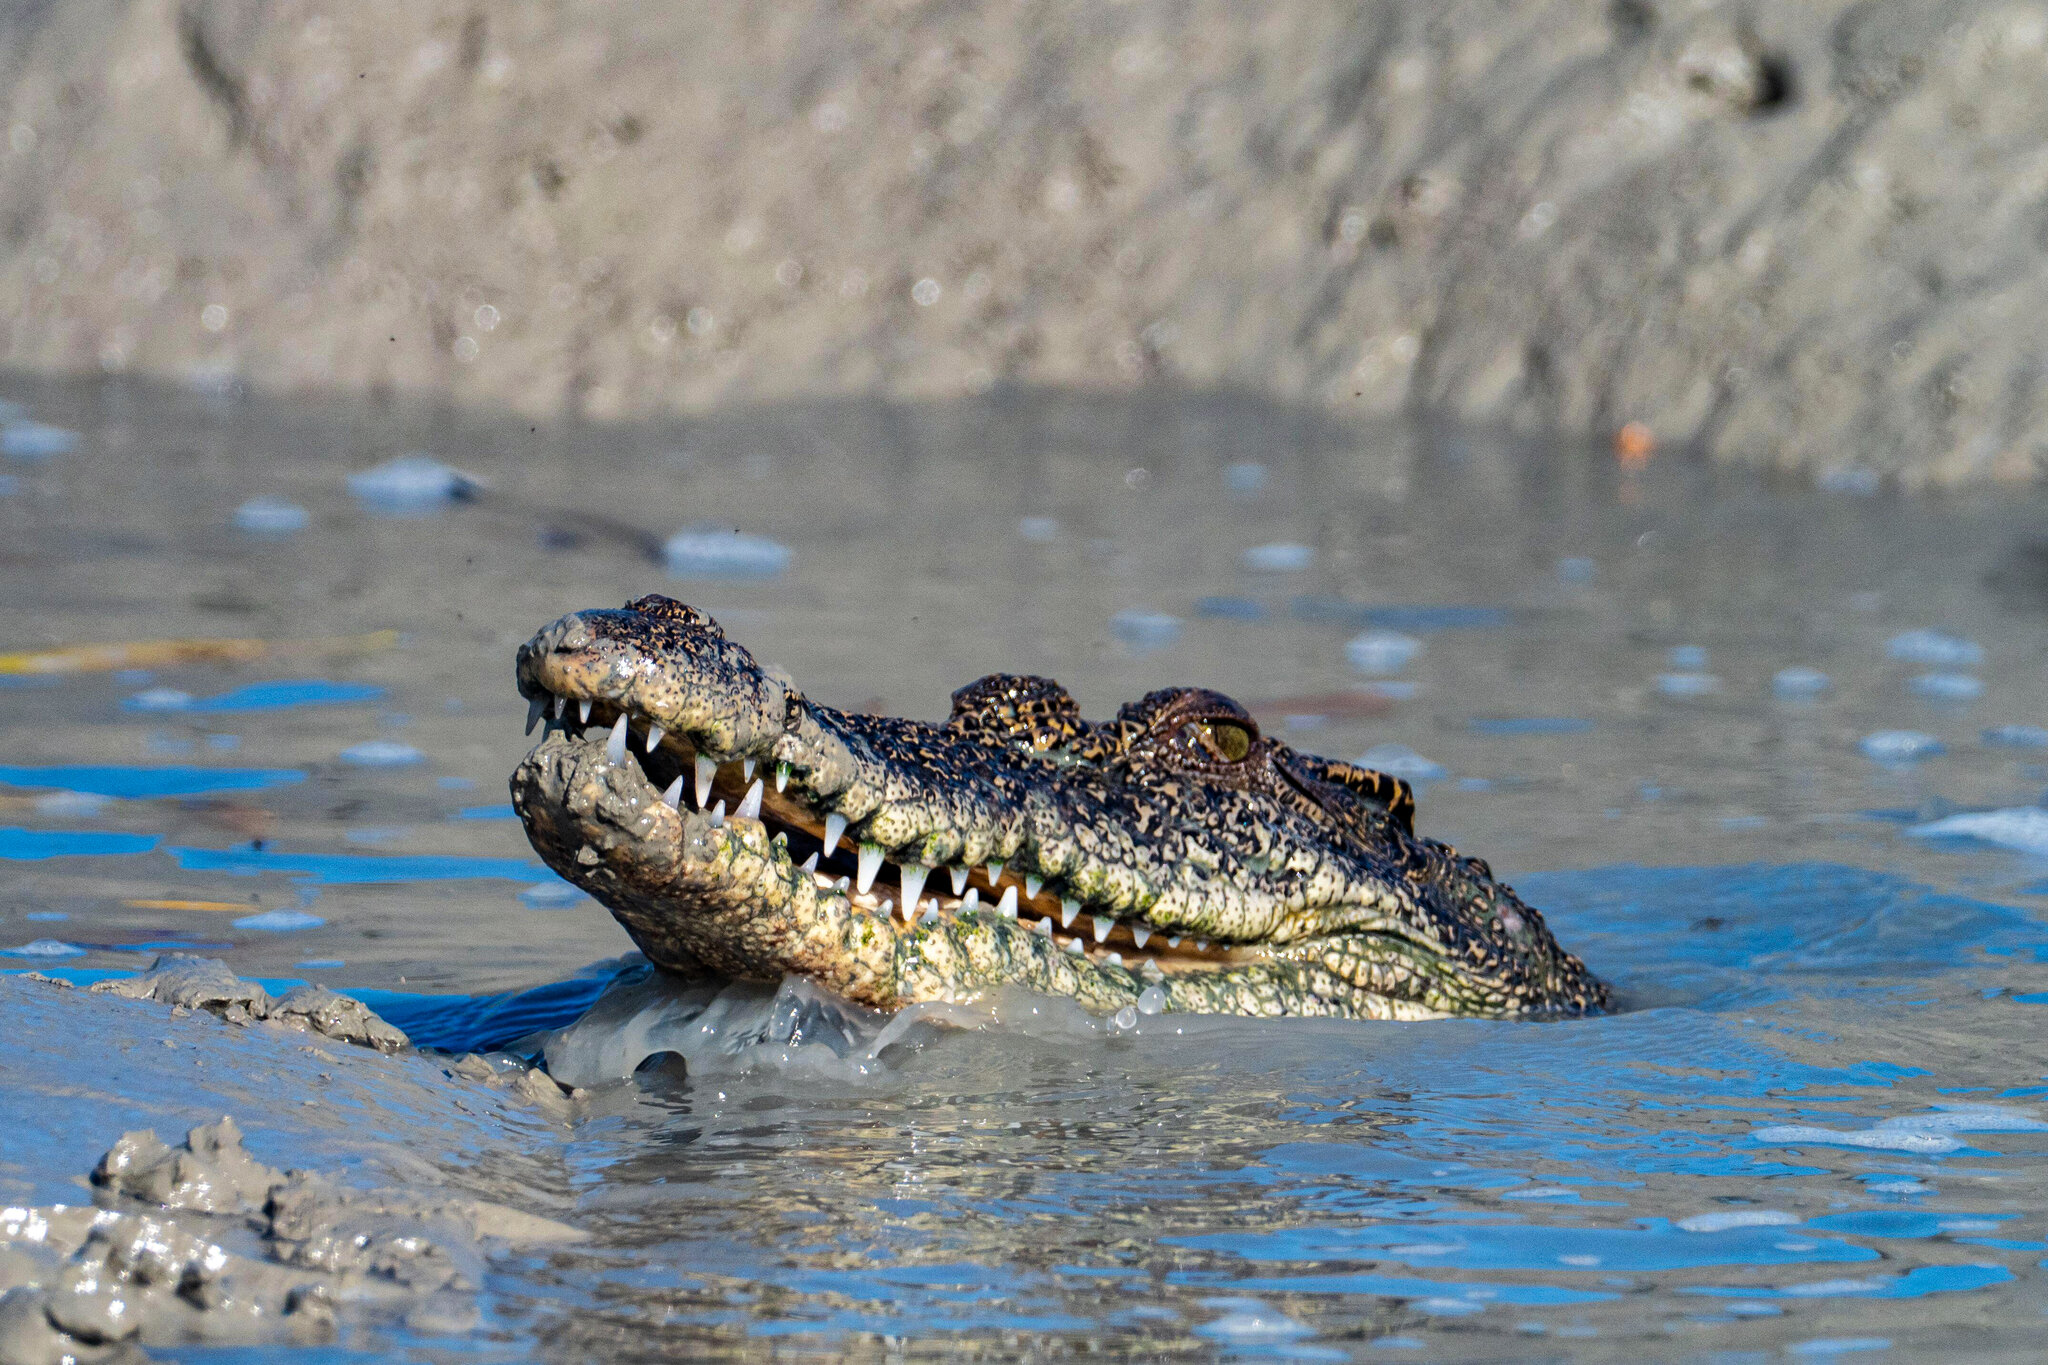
[(1171, 859)]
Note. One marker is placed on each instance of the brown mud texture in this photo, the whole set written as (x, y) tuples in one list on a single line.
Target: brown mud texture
[(1801, 235)]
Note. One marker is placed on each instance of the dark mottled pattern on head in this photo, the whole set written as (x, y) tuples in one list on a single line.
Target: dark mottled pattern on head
[(1177, 818)]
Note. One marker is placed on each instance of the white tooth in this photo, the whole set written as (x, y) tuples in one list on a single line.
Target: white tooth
[(781, 776), (706, 770), (1173, 940), (1112, 959), (1007, 906), (654, 734), (718, 815), (750, 804), (1069, 907), (1103, 924), (995, 871), (931, 914), (1031, 885), (534, 710), (747, 770), (560, 702), (615, 747), (843, 884), (673, 797), (835, 825), (1139, 933), (887, 908), (1074, 947), (811, 863), (912, 876), (583, 710), (971, 901), (1201, 945), (959, 876), (1043, 926), (870, 864)]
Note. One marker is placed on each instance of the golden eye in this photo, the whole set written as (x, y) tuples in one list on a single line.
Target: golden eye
[(1231, 741)]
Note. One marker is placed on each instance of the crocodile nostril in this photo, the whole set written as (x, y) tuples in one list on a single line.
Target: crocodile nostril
[(574, 635)]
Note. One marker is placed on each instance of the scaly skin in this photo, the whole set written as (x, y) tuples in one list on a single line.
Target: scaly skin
[(1217, 871)]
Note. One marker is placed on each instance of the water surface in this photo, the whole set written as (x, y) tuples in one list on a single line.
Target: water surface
[(1815, 1125)]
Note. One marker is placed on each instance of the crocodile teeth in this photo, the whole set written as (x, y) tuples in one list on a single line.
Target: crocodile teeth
[(1112, 959), (971, 901), (912, 876), (1139, 933), (747, 770), (887, 908), (718, 815), (843, 884), (750, 804), (1007, 906), (583, 710), (781, 776), (1074, 947), (1173, 940), (1201, 945), (1031, 885), (959, 876), (870, 864), (654, 734), (534, 711), (673, 797), (706, 770), (811, 863), (1103, 924), (994, 870), (835, 825), (1043, 926), (1069, 907), (560, 702), (615, 747)]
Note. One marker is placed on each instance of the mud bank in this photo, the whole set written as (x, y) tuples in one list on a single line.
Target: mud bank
[(1799, 235), (151, 1265), (208, 1242)]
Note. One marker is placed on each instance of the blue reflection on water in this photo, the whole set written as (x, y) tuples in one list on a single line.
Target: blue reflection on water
[(34, 845), (278, 695), (354, 869), (132, 783)]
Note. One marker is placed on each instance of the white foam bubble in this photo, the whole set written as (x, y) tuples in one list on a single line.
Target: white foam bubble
[(1402, 762), (1723, 1219), (1382, 651), (2018, 827), (1933, 647), (1877, 1139), (1279, 557), (1898, 746), (723, 554)]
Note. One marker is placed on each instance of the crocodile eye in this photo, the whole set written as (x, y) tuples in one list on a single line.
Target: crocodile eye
[(1231, 741)]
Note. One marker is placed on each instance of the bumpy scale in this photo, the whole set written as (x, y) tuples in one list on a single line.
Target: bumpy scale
[(1219, 870)]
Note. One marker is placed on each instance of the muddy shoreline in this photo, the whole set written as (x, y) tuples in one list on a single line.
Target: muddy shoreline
[(1800, 237)]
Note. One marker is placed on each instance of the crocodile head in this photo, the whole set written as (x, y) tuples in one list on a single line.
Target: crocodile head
[(1173, 858)]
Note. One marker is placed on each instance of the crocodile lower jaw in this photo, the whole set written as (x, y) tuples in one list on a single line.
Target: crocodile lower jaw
[(742, 790)]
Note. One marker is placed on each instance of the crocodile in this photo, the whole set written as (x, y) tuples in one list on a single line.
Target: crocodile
[(1171, 859)]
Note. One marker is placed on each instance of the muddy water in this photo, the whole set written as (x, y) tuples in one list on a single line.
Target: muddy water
[(1816, 1126)]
